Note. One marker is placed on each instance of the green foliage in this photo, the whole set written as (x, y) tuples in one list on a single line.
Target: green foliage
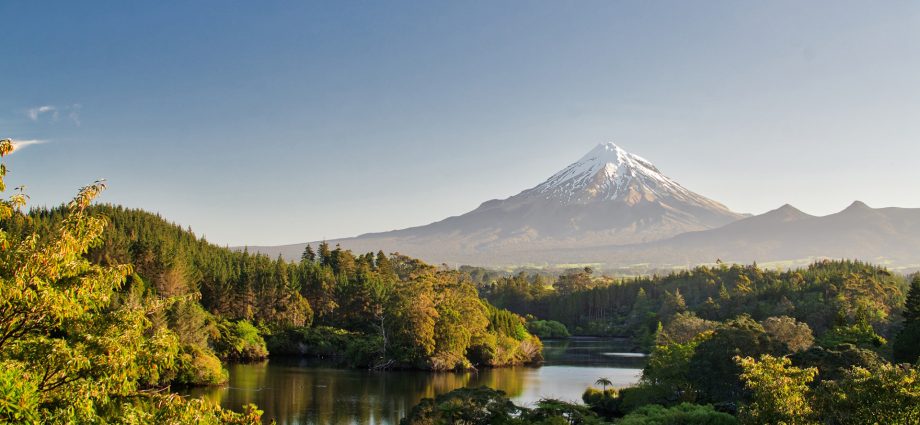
[(473, 406), (860, 335), (666, 377), (234, 285), (240, 341), (682, 414), (73, 347), (823, 295), (713, 373), (906, 347), (197, 366), (832, 364), (401, 311), (779, 391), (889, 394), (507, 323), (604, 402), (548, 329), (912, 303), (19, 398), (685, 327)]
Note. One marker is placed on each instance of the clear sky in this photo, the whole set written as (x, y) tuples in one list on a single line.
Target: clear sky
[(280, 122)]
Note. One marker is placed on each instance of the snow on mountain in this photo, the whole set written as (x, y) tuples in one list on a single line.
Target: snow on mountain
[(609, 173)]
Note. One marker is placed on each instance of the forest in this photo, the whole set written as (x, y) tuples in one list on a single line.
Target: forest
[(105, 309), (835, 343)]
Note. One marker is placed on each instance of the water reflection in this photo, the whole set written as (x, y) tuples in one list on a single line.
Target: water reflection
[(304, 392)]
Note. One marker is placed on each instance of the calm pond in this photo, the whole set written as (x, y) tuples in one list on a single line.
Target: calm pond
[(305, 392)]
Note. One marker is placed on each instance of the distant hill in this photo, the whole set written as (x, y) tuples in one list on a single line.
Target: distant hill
[(885, 235)]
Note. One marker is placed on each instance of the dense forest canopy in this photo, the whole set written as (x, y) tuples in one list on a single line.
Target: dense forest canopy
[(728, 345), (396, 311), (825, 295)]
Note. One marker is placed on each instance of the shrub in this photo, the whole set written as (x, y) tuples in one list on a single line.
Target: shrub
[(605, 403), (548, 329), (684, 414), (860, 335), (195, 366), (240, 341)]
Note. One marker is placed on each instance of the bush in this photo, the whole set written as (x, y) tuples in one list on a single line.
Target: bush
[(683, 414), (472, 406), (346, 347), (240, 341), (604, 403), (195, 366), (862, 336), (496, 350), (548, 329), (833, 363)]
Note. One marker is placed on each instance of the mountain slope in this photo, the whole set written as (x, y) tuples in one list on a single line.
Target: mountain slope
[(884, 235), (608, 197)]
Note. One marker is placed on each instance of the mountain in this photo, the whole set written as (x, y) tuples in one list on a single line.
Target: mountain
[(888, 236), (608, 197)]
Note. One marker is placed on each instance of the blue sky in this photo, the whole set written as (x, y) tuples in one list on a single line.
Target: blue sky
[(281, 122)]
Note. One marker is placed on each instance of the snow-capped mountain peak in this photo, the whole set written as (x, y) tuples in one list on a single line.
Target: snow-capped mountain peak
[(607, 173)]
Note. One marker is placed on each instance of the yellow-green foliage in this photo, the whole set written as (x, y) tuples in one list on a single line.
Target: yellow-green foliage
[(779, 391), (70, 350), (889, 394)]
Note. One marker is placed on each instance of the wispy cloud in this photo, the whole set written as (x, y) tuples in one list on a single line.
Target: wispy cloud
[(72, 111), (22, 144), (36, 112)]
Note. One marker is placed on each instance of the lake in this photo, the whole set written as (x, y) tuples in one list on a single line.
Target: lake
[(304, 392)]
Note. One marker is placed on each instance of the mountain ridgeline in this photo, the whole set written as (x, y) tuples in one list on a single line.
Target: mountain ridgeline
[(616, 209)]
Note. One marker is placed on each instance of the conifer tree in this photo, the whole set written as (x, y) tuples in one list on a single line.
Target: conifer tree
[(308, 254), (325, 255), (384, 267), (912, 305), (906, 346)]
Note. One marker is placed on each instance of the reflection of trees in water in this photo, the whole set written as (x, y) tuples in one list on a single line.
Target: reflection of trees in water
[(293, 394), (300, 392)]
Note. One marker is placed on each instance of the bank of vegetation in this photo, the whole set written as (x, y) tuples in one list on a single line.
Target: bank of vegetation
[(104, 308), (837, 342)]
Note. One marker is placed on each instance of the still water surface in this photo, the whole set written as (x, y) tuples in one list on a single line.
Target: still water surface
[(304, 392)]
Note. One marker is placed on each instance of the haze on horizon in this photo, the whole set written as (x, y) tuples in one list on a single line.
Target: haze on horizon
[(266, 124)]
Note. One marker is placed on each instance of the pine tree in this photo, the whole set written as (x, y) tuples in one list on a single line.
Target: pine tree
[(325, 255), (906, 347), (384, 267), (308, 254), (673, 303), (912, 305)]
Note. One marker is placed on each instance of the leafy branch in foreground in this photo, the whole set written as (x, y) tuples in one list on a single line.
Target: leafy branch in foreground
[(73, 347)]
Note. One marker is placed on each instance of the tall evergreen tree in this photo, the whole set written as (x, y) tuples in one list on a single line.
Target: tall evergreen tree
[(308, 254), (906, 347), (912, 305), (384, 267), (325, 255)]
